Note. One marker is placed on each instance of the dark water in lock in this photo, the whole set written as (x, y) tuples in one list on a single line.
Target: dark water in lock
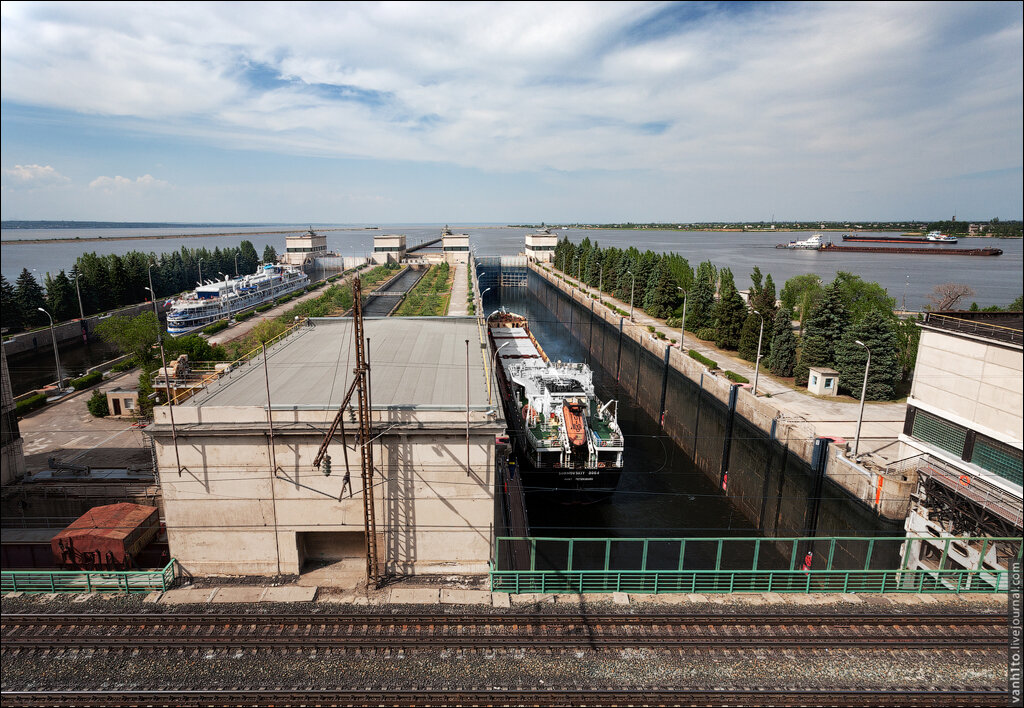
[(662, 491)]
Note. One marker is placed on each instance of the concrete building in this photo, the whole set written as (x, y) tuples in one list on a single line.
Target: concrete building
[(300, 247), (12, 452), (455, 247), (540, 246), (822, 381), (962, 438), (388, 248), (247, 500)]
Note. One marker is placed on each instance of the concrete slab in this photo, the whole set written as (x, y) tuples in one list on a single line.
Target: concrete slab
[(529, 598), (465, 597), (501, 599), (851, 598), (84, 597), (569, 599), (693, 597), (415, 596), (13, 594), (289, 593), (186, 596), (620, 598), (773, 598), (927, 599), (752, 599), (239, 593), (153, 597)]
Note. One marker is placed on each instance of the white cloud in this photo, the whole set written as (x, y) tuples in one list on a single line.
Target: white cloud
[(33, 176), (118, 183), (724, 89)]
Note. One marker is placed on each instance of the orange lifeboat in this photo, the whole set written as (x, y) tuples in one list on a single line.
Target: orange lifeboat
[(574, 427)]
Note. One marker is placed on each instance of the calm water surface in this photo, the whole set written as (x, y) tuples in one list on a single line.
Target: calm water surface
[(908, 278)]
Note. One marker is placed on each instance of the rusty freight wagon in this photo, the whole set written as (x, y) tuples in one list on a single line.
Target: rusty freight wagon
[(108, 537)]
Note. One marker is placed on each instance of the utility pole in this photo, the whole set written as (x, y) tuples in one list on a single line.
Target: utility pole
[(373, 571)]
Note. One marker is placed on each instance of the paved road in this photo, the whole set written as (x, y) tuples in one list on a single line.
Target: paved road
[(882, 424), (67, 431)]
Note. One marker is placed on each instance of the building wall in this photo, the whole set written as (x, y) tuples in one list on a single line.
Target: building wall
[(541, 247), (225, 509), (12, 454), (974, 382), (456, 248)]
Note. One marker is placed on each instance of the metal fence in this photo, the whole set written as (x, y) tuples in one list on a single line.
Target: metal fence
[(837, 564), (80, 581)]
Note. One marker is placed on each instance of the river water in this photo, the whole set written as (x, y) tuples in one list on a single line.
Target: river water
[(908, 278)]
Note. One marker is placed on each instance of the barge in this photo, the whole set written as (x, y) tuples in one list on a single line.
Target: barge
[(566, 439), (829, 247), (932, 237)]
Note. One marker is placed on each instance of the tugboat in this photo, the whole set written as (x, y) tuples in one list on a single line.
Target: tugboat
[(566, 438), (811, 244)]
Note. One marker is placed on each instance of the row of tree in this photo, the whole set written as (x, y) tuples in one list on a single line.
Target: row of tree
[(832, 318), (111, 281)]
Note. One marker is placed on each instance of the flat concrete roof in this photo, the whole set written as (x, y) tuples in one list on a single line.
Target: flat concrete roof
[(416, 362)]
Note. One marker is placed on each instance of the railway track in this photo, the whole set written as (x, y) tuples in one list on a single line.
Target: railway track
[(409, 632), (428, 698)]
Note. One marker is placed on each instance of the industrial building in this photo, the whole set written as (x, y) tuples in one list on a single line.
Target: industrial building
[(455, 247), (389, 248), (540, 246), (241, 495), (302, 247), (962, 438), (12, 454)]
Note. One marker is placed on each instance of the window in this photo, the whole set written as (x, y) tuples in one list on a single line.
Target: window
[(997, 457), (941, 433), (814, 379), (129, 404), (828, 382)]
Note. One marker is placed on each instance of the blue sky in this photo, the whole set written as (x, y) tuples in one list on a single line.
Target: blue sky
[(520, 112)]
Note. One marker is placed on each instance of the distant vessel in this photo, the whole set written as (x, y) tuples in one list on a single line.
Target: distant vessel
[(932, 237), (811, 244), (223, 298), (566, 437)]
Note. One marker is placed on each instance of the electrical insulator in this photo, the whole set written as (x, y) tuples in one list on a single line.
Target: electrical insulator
[(327, 466)]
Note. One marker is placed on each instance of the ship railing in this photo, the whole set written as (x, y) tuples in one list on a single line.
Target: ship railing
[(240, 361)]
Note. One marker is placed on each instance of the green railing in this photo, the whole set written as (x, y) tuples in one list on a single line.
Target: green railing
[(839, 564), (79, 581)]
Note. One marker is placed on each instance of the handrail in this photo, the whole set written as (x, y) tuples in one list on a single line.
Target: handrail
[(80, 581)]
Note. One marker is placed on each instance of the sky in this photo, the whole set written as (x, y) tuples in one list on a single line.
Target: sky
[(511, 113)]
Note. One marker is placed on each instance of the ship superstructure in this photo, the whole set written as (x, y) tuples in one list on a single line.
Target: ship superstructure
[(560, 426), (219, 299)]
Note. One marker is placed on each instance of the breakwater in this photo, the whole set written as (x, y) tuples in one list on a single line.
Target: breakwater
[(776, 472)]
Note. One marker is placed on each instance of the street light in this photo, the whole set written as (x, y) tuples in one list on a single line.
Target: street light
[(863, 392), (78, 292), (682, 325), (163, 362), (201, 270), (494, 363), (56, 353), (632, 289), (757, 362), (236, 265)]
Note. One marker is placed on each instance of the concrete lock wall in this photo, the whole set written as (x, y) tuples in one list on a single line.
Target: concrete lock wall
[(227, 514), (770, 479), (68, 331)]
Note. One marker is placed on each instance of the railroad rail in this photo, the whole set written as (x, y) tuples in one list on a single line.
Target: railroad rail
[(428, 697), (490, 632)]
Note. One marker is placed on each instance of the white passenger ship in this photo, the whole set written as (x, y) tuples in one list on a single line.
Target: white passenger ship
[(219, 299)]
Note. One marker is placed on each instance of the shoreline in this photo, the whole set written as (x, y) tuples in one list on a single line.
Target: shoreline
[(89, 239)]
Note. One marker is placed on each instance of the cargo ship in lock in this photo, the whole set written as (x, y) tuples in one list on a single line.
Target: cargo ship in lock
[(565, 437)]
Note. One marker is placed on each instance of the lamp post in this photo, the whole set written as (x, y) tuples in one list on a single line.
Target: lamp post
[(81, 310), (236, 265), (863, 393), (201, 270), (56, 353), (494, 363), (163, 362), (682, 325), (757, 361), (632, 290)]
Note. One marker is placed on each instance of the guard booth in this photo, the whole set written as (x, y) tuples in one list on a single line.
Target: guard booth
[(822, 381)]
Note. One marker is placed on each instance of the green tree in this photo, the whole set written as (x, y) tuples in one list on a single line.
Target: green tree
[(29, 296), (764, 300), (1017, 305), (60, 297), (134, 336), (661, 296), (829, 319), (801, 293), (196, 347), (908, 336), (701, 299), (782, 356), (10, 310), (876, 331), (814, 351), (860, 296), (97, 405), (749, 335), (269, 254), (730, 311), (247, 258)]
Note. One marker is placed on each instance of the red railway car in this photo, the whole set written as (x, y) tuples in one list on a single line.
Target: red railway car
[(108, 537)]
